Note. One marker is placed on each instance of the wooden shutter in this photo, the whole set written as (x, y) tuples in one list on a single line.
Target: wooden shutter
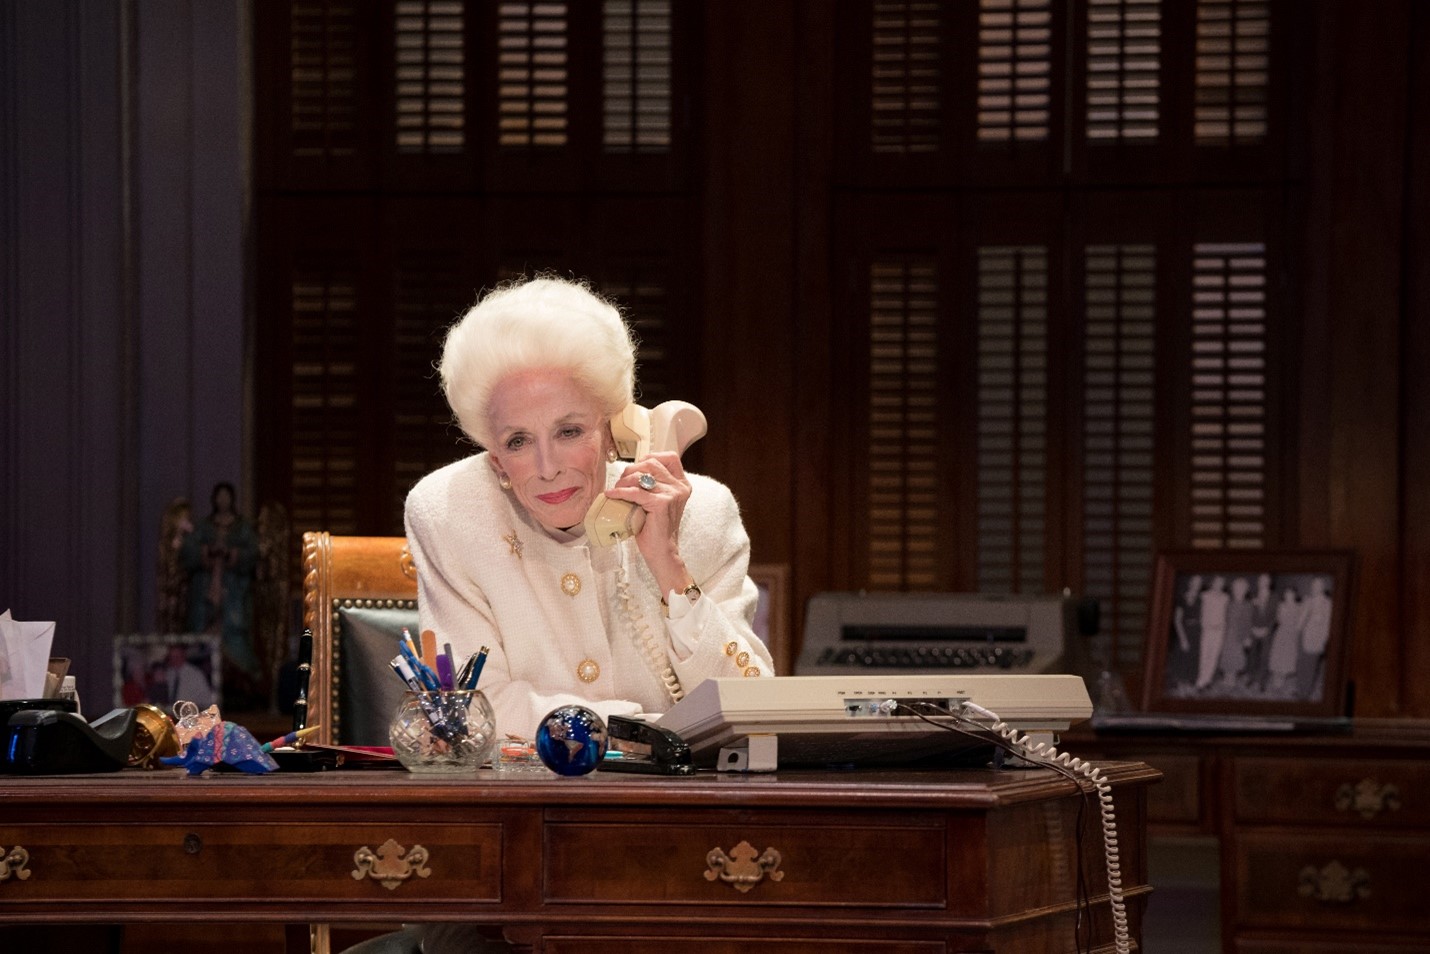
[(533, 75), (1124, 62), (903, 498), (1012, 419), (429, 78), (905, 77), (325, 44), (1119, 437), (327, 426), (1229, 396), (1233, 70), (636, 76), (641, 289), (1015, 48), (432, 287)]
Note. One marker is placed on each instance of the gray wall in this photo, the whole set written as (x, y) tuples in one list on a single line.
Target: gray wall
[(123, 301)]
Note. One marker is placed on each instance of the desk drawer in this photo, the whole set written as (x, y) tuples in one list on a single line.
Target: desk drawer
[(1177, 800), (1360, 883), (1352, 792), (694, 861), (271, 862)]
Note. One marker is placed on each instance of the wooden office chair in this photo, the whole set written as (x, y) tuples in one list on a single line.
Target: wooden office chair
[(358, 594)]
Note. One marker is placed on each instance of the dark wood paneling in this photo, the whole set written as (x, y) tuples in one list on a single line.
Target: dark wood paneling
[(748, 195), (1351, 384), (1414, 575), (811, 494)]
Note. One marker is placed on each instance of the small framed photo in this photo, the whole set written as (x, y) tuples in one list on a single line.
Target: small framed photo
[(1248, 633), (771, 622), (167, 668)]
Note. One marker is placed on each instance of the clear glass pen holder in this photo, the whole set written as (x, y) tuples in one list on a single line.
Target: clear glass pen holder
[(451, 731)]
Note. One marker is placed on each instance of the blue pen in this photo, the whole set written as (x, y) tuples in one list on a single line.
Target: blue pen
[(424, 675), (435, 716), (476, 669)]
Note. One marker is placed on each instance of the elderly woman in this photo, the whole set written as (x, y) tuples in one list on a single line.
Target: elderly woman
[(534, 373)]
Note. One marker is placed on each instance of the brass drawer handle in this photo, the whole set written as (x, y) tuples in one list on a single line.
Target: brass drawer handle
[(744, 867), (1368, 797), (1334, 884), (391, 864), (14, 863)]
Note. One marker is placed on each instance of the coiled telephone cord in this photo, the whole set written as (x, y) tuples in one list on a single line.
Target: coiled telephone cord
[(1041, 751), (655, 657)]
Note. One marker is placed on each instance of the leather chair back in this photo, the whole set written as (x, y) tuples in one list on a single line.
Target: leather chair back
[(358, 594)]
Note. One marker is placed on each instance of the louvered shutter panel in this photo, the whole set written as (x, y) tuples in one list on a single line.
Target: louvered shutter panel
[(636, 76), (1229, 395), (1119, 442), (905, 77), (430, 76), (533, 75), (639, 287), (1012, 419), (327, 425), (429, 295), (1233, 70), (1014, 70), (1124, 62), (903, 425), (323, 55)]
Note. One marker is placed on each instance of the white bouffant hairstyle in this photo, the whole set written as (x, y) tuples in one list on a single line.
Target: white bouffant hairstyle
[(542, 323)]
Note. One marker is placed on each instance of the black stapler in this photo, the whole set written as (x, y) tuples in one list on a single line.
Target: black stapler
[(649, 749), (45, 742)]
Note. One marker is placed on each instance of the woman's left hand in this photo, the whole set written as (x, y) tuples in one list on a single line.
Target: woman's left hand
[(658, 485)]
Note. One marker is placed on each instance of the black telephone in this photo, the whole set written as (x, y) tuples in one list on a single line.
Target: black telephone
[(670, 426)]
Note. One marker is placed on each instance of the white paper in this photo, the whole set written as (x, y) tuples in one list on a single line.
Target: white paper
[(24, 657)]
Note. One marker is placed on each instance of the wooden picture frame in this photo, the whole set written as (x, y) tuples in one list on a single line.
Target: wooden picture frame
[(772, 622), (1279, 657)]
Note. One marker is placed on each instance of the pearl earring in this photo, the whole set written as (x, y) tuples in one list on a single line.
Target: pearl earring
[(611, 455), (505, 481)]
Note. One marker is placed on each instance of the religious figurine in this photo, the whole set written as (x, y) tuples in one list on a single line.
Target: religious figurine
[(270, 598), (220, 556), (172, 579)]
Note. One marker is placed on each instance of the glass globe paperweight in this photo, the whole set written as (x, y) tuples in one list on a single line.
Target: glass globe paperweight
[(451, 731), (571, 740)]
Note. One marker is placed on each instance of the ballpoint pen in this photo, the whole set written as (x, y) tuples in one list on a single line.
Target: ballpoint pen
[(426, 677), (476, 665), (297, 735), (435, 716)]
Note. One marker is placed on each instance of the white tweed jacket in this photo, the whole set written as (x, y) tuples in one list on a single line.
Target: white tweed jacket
[(490, 575)]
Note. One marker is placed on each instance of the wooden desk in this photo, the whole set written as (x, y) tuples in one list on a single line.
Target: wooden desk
[(894, 862), (1323, 838)]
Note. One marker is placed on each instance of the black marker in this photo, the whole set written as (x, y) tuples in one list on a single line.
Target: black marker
[(305, 670)]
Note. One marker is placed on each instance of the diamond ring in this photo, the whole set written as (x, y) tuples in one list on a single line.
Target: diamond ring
[(646, 481)]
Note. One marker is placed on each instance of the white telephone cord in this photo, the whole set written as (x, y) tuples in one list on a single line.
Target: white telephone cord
[(655, 657), (1042, 751)]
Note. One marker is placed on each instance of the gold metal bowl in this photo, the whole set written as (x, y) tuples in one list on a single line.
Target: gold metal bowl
[(154, 738)]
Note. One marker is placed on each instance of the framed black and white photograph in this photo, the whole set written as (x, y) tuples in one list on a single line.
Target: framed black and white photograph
[(166, 668), (1248, 632)]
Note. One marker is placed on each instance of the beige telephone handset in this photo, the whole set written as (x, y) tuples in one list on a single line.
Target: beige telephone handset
[(671, 426)]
